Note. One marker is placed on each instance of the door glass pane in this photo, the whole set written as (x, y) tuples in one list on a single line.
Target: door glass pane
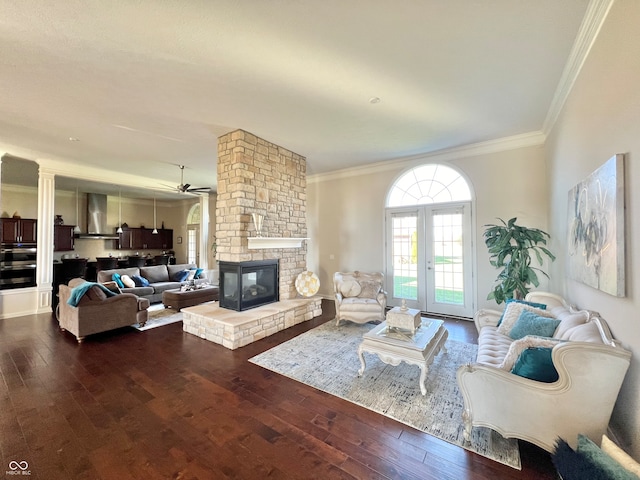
[(448, 258), (404, 245), (192, 246)]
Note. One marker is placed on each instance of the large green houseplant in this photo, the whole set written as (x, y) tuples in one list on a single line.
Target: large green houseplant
[(511, 248)]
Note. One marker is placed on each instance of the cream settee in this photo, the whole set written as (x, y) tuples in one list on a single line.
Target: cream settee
[(590, 366)]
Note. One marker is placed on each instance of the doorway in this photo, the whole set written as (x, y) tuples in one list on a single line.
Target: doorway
[(429, 254)]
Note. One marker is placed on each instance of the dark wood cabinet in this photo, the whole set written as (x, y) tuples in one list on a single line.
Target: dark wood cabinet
[(18, 230), (144, 239), (63, 240)]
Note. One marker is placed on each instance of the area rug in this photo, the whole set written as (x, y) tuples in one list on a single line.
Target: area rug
[(326, 358), (159, 317)]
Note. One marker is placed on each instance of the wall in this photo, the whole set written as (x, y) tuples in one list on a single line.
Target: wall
[(256, 176), (601, 118), (346, 209)]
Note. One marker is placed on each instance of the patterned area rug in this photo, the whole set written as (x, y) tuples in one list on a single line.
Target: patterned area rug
[(326, 358), (159, 316)]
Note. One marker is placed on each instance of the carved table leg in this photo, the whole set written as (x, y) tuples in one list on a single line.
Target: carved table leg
[(423, 376), (362, 361)]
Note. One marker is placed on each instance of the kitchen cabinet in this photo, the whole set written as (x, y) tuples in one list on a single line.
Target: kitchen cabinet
[(63, 238), (143, 239), (18, 230)]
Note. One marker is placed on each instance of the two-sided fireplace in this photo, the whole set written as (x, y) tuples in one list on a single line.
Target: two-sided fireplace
[(245, 285)]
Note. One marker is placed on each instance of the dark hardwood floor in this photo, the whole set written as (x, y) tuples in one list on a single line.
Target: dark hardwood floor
[(166, 404)]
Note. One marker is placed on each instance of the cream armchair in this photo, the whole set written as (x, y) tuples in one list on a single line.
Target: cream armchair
[(359, 296)]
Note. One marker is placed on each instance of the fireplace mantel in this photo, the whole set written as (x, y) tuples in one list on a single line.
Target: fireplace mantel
[(275, 242)]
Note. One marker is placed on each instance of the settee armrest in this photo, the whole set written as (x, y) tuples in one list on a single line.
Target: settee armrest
[(381, 298), (485, 316), (580, 401)]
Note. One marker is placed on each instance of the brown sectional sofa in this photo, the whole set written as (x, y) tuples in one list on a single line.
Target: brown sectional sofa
[(159, 277)]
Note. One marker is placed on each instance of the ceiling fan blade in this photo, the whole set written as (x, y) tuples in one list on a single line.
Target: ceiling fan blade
[(186, 186), (199, 189)]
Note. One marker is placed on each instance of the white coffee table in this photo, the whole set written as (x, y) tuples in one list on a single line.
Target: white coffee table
[(394, 345)]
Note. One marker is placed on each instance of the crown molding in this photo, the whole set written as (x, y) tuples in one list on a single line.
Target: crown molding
[(594, 18), (447, 155)]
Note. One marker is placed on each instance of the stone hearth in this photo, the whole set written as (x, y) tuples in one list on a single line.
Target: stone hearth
[(233, 329)]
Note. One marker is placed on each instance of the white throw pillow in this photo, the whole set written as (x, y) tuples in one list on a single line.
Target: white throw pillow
[(512, 313), (520, 345), (127, 281), (350, 288)]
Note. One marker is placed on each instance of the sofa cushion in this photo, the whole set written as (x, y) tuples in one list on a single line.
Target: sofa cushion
[(116, 278), (350, 288), (512, 313), (535, 363), (369, 288), (568, 320), (355, 304), (587, 332), (95, 293), (529, 323), (181, 276), (492, 346), (155, 273), (127, 281), (139, 291), (162, 286), (520, 345), (105, 275), (541, 306), (140, 281), (171, 269)]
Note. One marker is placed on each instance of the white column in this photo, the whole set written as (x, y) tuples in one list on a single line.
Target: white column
[(44, 263), (204, 231)]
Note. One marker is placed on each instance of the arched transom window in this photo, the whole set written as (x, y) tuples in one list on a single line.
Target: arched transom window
[(428, 184)]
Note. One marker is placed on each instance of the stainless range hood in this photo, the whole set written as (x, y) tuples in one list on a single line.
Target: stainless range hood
[(97, 218)]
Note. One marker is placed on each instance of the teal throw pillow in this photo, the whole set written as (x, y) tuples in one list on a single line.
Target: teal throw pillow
[(535, 363), (116, 278), (541, 306), (603, 461), (529, 323), (198, 272)]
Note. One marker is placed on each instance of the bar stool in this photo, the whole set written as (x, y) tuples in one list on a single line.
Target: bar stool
[(161, 259), (106, 263), (136, 261)]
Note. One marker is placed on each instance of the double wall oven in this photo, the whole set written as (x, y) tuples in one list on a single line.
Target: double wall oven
[(17, 265)]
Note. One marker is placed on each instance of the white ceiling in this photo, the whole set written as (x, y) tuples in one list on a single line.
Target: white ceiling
[(147, 85)]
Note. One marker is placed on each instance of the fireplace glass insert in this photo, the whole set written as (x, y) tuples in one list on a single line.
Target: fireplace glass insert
[(245, 285)]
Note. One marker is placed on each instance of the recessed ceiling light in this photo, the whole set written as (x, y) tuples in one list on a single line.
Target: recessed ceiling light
[(74, 139), (374, 100)]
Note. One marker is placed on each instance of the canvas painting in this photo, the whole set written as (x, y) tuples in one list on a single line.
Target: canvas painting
[(596, 229)]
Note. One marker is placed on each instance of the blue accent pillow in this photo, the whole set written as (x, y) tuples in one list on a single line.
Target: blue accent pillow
[(116, 278), (198, 272), (140, 281), (541, 306), (535, 363), (180, 276), (529, 323)]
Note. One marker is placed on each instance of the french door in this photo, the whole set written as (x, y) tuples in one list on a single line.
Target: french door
[(429, 258)]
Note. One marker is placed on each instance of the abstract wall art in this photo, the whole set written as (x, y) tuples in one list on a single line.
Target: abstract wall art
[(596, 229)]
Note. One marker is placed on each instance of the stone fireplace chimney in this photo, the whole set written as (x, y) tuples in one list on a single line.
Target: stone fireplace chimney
[(256, 176)]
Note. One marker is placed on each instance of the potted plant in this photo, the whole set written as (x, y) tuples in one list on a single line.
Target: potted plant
[(511, 248)]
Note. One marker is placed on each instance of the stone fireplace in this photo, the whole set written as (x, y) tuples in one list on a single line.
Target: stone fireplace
[(245, 285), (258, 177)]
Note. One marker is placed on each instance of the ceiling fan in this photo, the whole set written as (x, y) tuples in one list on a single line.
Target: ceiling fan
[(186, 187)]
